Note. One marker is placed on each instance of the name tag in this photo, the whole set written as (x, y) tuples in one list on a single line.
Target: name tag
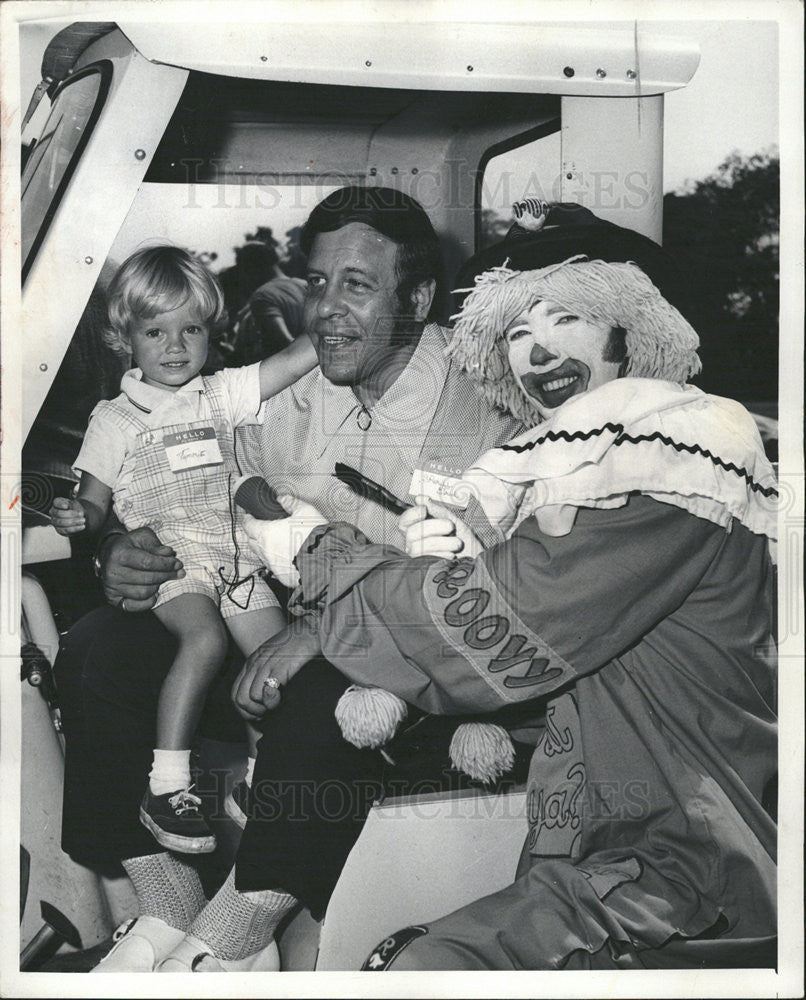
[(192, 448), (441, 484)]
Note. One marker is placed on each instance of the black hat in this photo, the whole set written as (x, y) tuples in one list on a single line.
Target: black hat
[(567, 230)]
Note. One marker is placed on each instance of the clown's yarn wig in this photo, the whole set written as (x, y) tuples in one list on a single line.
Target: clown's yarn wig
[(660, 342)]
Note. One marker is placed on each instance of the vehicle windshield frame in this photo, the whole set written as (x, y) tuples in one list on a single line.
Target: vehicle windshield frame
[(102, 69)]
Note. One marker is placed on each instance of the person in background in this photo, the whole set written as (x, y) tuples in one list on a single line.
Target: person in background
[(272, 317), (276, 314), (253, 265)]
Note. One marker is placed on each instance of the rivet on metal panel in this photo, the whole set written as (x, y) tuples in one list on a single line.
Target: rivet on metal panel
[(631, 74), (415, 170), (88, 260), (394, 170), (43, 368), (568, 71), (470, 69), (368, 62), (139, 154), (569, 177), (601, 74), (372, 171), (264, 58)]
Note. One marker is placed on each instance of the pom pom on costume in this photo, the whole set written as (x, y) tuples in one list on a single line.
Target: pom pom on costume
[(368, 717), (482, 750), (530, 214)]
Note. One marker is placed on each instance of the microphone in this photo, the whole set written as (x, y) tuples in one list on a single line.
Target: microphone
[(259, 499)]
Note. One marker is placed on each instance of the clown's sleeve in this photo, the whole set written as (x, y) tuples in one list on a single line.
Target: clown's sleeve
[(518, 622)]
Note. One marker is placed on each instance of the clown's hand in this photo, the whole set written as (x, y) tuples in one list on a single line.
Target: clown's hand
[(433, 530), (276, 543)]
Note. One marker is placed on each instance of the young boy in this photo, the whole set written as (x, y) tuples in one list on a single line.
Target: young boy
[(163, 454)]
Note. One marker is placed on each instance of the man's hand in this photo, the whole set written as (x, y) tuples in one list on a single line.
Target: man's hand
[(276, 543), (67, 516), (279, 657), (433, 530), (134, 565)]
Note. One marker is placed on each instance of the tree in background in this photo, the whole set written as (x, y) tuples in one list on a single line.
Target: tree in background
[(494, 227), (294, 262), (724, 233), (262, 234)]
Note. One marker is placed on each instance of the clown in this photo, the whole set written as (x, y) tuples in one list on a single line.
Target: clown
[(592, 353), (630, 595)]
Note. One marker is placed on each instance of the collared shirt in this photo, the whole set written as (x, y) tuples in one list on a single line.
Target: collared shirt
[(430, 412), (109, 441)]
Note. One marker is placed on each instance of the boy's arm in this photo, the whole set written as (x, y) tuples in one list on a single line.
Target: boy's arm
[(95, 498), (87, 512), (281, 370)]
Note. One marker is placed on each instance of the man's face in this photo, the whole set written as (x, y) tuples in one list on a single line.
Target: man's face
[(352, 312), (555, 354)]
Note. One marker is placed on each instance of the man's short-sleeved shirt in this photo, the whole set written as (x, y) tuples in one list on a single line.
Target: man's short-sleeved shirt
[(431, 413)]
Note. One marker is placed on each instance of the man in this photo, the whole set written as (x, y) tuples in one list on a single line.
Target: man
[(386, 402)]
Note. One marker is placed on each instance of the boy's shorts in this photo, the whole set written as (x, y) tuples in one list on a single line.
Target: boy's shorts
[(202, 577)]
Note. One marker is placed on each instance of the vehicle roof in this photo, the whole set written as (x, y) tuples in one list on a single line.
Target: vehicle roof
[(626, 60)]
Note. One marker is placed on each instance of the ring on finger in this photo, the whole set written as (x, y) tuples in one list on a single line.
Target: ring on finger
[(122, 604), (271, 682)]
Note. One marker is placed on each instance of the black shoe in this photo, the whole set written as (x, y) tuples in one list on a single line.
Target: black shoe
[(236, 804), (176, 822)]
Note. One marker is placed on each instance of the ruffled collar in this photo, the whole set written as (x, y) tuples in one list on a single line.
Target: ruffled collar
[(670, 442)]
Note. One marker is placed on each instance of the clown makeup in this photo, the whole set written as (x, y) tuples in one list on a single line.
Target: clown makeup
[(555, 354)]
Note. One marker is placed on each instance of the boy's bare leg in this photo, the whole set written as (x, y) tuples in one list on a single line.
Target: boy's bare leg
[(253, 628), (169, 810), (195, 621)]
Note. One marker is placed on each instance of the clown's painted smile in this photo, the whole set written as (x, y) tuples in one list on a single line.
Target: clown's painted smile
[(554, 387), (555, 354)]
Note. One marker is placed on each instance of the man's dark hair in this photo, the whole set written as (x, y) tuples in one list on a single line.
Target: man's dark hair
[(392, 214)]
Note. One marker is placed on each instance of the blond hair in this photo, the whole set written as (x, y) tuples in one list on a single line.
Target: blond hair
[(155, 280)]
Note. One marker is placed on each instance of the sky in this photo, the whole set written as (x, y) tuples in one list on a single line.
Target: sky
[(730, 104)]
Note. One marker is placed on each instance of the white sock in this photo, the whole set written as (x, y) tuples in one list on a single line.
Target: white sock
[(170, 771), (250, 770)]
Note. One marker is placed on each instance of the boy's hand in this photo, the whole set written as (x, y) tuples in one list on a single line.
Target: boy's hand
[(68, 516)]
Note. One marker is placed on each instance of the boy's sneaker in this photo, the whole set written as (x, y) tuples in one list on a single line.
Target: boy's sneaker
[(176, 821), (236, 804)]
